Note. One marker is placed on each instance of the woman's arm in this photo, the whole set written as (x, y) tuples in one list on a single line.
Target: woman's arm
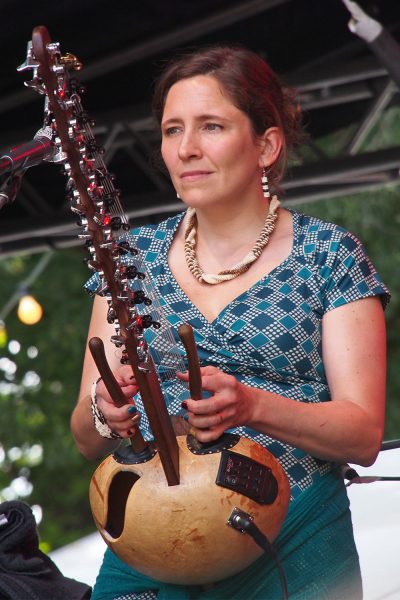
[(347, 429), (88, 440)]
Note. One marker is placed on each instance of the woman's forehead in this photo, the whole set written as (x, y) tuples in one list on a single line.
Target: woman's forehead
[(203, 92)]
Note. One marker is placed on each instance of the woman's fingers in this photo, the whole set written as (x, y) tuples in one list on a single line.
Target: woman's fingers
[(209, 421), (227, 407), (125, 380), (119, 419), (207, 429), (132, 427), (184, 376), (224, 390), (125, 428), (122, 420)]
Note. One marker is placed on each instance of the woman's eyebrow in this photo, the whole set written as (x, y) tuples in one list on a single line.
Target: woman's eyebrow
[(202, 117)]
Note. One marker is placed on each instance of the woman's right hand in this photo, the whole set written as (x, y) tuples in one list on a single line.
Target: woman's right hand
[(120, 419), (88, 440)]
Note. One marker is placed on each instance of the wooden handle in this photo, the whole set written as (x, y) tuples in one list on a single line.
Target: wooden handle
[(185, 332), (96, 348)]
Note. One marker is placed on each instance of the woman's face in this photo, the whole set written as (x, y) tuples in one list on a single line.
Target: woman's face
[(208, 145)]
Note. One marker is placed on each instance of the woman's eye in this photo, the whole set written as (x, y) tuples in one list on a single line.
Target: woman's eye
[(169, 131), (213, 127)]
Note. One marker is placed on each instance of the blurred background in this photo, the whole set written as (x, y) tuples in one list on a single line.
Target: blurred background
[(348, 172)]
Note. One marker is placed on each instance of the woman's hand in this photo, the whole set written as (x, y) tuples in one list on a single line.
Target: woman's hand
[(229, 405), (120, 419)]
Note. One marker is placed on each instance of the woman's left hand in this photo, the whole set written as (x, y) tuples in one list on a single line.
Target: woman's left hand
[(229, 405)]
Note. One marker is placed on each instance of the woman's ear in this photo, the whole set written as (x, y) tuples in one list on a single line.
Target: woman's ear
[(271, 143)]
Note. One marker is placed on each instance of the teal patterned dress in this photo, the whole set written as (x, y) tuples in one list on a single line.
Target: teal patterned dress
[(269, 337)]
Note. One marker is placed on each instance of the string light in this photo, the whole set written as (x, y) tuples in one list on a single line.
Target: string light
[(3, 334), (29, 310)]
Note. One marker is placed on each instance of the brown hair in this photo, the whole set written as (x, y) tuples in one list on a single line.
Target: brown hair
[(252, 86)]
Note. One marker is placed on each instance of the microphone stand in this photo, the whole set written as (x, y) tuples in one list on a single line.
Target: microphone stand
[(353, 477)]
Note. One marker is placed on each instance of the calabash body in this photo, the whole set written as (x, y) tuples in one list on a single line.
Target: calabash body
[(179, 534)]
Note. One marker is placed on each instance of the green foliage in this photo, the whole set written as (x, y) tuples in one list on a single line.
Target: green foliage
[(40, 416)]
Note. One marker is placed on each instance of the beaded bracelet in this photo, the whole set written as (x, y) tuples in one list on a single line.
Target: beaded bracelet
[(99, 419)]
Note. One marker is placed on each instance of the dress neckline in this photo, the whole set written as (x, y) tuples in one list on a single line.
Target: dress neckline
[(168, 241)]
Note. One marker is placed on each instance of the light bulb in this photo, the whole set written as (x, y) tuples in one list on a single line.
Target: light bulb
[(29, 310)]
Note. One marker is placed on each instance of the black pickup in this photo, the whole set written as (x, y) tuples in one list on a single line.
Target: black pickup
[(248, 477)]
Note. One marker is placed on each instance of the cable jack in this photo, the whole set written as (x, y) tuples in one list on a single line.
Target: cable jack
[(243, 522)]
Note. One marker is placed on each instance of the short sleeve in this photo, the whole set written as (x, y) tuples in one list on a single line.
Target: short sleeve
[(92, 284), (352, 276)]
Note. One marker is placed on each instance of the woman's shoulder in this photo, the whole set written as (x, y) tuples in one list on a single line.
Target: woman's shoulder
[(311, 227), (340, 260), (315, 236), (156, 233)]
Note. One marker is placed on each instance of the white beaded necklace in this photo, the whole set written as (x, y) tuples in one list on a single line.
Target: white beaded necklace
[(190, 223)]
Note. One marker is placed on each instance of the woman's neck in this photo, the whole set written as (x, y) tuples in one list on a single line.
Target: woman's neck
[(231, 224), (224, 237)]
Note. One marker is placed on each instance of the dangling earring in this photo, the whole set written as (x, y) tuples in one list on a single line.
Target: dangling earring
[(177, 195), (264, 183)]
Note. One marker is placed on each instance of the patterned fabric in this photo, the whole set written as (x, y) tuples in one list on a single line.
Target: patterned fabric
[(150, 595), (270, 336)]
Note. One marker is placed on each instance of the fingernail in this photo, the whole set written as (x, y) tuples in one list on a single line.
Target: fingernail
[(184, 405), (185, 418), (132, 409)]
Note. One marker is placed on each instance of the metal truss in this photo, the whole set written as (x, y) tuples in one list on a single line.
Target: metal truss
[(131, 139)]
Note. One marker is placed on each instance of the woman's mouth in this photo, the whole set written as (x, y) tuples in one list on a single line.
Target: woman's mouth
[(189, 176)]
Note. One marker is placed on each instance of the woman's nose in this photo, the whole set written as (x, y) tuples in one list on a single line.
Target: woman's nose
[(189, 145)]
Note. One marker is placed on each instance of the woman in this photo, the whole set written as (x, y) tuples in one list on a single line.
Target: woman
[(289, 316)]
